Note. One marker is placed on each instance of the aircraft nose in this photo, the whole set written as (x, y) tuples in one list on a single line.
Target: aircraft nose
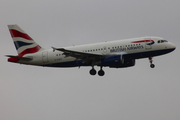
[(172, 46)]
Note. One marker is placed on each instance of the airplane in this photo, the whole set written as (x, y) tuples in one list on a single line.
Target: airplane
[(112, 54)]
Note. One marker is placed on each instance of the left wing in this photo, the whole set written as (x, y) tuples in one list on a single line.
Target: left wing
[(86, 57)]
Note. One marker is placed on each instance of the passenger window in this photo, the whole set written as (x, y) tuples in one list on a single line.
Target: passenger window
[(158, 41)]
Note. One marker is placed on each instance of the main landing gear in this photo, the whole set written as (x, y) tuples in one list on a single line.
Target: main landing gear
[(100, 72), (151, 64), (92, 71)]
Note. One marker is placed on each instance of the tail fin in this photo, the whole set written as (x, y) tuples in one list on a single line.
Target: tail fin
[(23, 42)]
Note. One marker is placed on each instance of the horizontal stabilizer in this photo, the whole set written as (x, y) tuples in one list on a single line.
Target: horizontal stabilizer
[(20, 58)]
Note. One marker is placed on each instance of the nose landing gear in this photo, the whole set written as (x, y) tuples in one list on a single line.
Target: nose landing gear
[(151, 64)]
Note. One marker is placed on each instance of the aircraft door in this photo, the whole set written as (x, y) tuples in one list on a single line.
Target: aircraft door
[(104, 49), (148, 44), (45, 57)]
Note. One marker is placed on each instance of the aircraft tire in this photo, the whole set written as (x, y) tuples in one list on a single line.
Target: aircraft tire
[(152, 65), (92, 72), (101, 73)]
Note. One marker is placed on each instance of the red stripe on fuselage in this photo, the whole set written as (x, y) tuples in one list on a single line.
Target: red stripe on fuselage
[(141, 41), (15, 33), (30, 50)]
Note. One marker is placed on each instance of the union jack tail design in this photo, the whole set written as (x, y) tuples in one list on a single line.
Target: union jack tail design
[(23, 42)]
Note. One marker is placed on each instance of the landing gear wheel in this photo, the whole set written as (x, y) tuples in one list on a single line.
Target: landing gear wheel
[(151, 62), (92, 72), (152, 65), (101, 73)]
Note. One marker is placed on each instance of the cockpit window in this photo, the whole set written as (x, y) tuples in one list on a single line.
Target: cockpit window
[(162, 41)]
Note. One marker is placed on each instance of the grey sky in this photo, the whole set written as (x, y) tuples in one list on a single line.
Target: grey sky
[(138, 93)]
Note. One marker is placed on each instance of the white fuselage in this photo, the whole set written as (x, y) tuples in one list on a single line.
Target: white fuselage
[(138, 50)]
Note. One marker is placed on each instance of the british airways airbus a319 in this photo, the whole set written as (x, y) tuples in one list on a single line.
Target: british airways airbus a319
[(113, 54)]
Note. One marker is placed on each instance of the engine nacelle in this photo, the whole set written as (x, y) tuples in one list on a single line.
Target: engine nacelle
[(117, 61)]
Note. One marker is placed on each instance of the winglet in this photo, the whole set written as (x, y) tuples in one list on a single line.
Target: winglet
[(53, 48), (59, 49)]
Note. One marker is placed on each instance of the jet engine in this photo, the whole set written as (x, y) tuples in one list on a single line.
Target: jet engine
[(117, 61)]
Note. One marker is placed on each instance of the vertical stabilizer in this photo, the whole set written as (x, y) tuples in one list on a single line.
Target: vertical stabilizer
[(23, 42)]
